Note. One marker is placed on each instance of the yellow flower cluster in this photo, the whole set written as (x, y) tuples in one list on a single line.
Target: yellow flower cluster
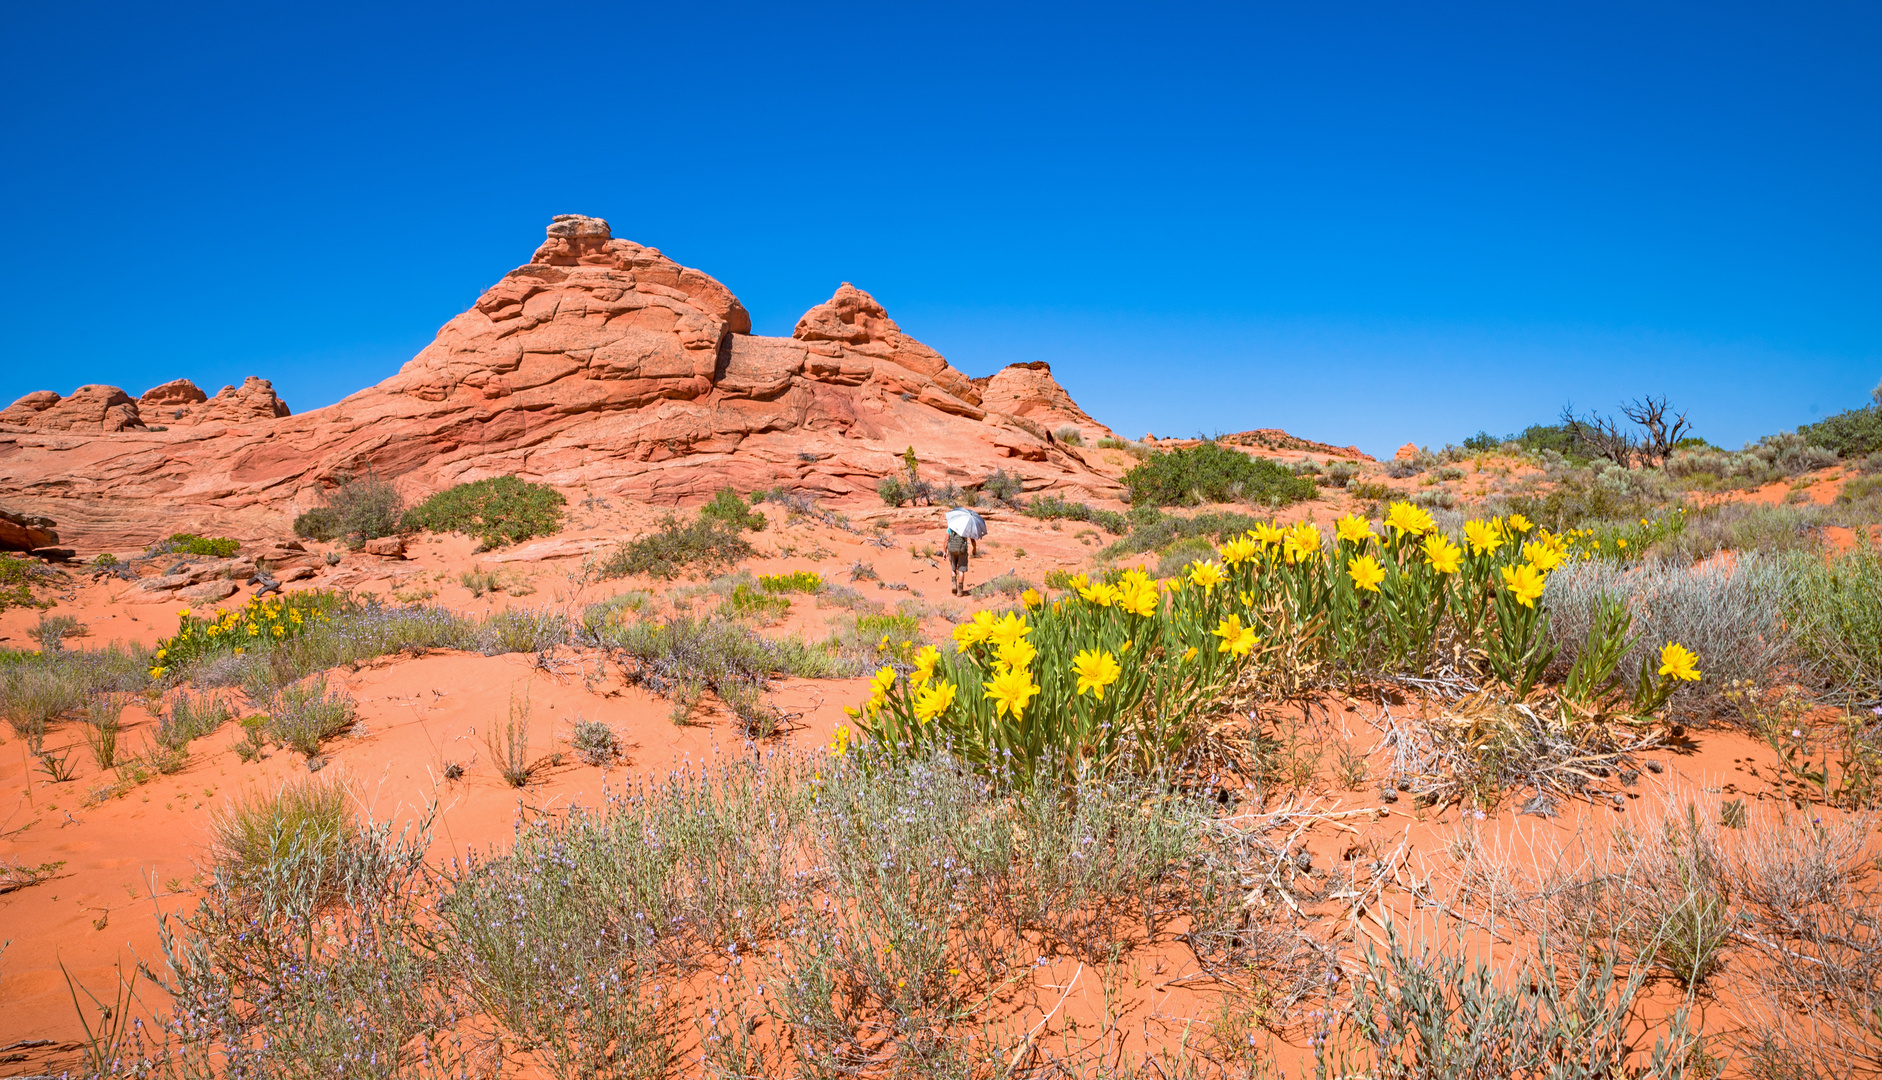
[(264, 621), (1052, 670)]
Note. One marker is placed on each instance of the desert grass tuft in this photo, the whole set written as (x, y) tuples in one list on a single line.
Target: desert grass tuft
[(1835, 607), (303, 716), (191, 717), (508, 743), (104, 722), (306, 818), (515, 630)]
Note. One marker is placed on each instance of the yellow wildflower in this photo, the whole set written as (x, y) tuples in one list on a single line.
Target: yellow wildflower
[(1207, 575), (1445, 557), (1031, 598), (969, 634), (183, 613), (1620, 542), (1237, 639), (1137, 594), (841, 744), (1010, 690), (1407, 518), (1080, 582), (1010, 628), (1238, 550), (161, 653), (1520, 523), (1366, 573), (1679, 661), (1100, 594), (1267, 534), (880, 685), (1353, 529), (1482, 536), (1302, 543), (925, 661), (933, 700), (1095, 670), (155, 673), (1525, 582), (1018, 653), (1189, 653), (1544, 557)]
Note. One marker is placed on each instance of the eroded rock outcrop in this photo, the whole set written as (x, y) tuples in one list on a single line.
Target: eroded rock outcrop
[(1028, 390), (181, 401), (175, 394), (600, 363), (89, 409), (25, 532), (255, 399)]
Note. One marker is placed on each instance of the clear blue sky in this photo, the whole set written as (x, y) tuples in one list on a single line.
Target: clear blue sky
[(1363, 223)]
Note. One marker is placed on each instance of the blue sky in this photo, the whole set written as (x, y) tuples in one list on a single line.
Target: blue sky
[(1363, 223)]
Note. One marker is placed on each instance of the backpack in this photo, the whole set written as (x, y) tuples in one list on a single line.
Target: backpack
[(957, 544)]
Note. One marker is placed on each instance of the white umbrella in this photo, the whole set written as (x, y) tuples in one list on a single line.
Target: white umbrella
[(967, 523)]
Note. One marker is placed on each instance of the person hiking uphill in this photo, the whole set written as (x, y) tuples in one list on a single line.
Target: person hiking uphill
[(958, 549)]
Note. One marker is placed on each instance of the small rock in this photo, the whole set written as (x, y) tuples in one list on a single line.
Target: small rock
[(55, 554), (208, 592), (389, 547)]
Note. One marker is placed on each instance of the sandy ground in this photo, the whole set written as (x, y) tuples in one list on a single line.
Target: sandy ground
[(130, 857)]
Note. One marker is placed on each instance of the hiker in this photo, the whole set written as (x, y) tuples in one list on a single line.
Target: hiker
[(959, 548)]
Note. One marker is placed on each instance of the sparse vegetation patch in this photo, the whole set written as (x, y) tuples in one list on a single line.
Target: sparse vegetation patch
[(497, 511), (1209, 472)]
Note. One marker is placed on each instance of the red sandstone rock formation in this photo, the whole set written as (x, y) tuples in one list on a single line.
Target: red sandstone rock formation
[(601, 364), (181, 401), (89, 409), (19, 532), (253, 400), (177, 393), (1028, 390), (1276, 439)]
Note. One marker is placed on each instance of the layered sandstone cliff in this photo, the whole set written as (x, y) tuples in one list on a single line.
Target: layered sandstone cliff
[(600, 364)]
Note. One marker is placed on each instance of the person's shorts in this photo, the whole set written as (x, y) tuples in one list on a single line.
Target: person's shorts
[(957, 561)]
